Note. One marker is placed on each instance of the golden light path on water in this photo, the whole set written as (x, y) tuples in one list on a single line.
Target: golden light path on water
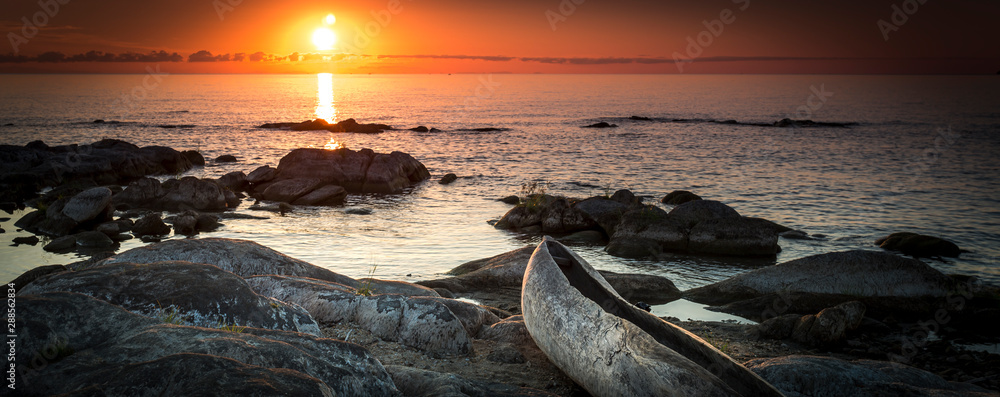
[(324, 104)]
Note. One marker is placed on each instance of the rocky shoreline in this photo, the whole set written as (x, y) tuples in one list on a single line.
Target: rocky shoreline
[(243, 315), (231, 316)]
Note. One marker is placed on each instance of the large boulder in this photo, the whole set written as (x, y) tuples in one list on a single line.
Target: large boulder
[(88, 205), (392, 173), (678, 197), (827, 376), (605, 212), (140, 193), (193, 193), (693, 212), (919, 245), (362, 171), (235, 181), (425, 324), (260, 175), (647, 232), (885, 283), (174, 195), (241, 257), (76, 344), (738, 236), (188, 293)]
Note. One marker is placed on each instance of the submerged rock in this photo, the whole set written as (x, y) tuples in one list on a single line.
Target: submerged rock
[(226, 158), (448, 178), (919, 245), (602, 124), (349, 125)]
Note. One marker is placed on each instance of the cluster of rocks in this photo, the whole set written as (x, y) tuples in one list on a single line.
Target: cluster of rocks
[(233, 315), (216, 316), (79, 214), (325, 177), (875, 284), (27, 169), (349, 125), (636, 230)]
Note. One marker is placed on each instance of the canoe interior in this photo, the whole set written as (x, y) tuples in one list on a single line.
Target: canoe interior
[(663, 332)]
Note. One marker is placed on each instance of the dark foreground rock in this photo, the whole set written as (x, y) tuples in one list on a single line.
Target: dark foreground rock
[(421, 323), (827, 376), (100, 348), (186, 293), (887, 284), (241, 257), (919, 245), (419, 382)]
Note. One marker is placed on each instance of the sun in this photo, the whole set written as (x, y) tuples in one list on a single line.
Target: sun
[(324, 39)]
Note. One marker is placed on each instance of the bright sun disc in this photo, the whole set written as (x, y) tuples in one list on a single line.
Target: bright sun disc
[(324, 39)]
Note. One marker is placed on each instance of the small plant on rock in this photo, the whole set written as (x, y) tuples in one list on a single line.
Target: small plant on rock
[(365, 289)]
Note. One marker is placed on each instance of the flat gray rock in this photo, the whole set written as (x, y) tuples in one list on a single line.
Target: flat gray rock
[(102, 348), (242, 257), (181, 293)]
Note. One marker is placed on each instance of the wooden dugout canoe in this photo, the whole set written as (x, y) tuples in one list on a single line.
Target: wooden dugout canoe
[(612, 348)]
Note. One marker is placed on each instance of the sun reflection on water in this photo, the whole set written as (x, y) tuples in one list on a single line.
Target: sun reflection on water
[(324, 104), (333, 144)]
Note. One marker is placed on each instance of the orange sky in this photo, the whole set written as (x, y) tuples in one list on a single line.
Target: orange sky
[(516, 36)]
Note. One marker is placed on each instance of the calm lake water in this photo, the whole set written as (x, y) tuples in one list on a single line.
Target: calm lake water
[(920, 154)]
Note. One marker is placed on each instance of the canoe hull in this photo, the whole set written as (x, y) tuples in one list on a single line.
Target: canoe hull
[(580, 323)]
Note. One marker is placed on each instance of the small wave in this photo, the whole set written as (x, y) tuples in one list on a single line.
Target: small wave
[(171, 126)]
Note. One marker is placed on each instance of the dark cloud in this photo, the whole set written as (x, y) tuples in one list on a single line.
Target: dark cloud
[(472, 57)]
